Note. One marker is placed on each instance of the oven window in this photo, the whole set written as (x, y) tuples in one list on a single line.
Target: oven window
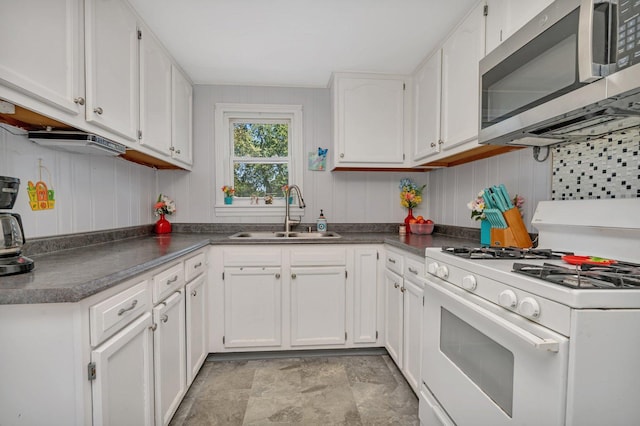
[(488, 364)]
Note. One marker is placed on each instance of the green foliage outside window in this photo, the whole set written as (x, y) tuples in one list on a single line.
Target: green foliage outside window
[(261, 158)]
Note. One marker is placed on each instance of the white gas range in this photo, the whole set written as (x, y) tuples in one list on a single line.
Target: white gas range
[(504, 347)]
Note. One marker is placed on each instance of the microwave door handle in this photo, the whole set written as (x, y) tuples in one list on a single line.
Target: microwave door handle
[(587, 70), (530, 338)]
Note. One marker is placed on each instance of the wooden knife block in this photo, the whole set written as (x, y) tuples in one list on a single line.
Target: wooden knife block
[(514, 235)]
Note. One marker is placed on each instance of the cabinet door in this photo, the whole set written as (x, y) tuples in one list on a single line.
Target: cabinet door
[(461, 55), (111, 53), (412, 358), (369, 121), (252, 307), (45, 58), (196, 299), (169, 361), (155, 95), (427, 83), (393, 316), (318, 301), (365, 300), (181, 113), (505, 17), (122, 391)]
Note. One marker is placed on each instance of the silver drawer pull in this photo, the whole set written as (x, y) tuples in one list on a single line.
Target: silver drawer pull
[(133, 305), (197, 265), (172, 280), (413, 271), (164, 317), (392, 260), (194, 293)]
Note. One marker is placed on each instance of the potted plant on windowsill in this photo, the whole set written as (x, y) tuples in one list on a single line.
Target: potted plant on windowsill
[(228, 194)]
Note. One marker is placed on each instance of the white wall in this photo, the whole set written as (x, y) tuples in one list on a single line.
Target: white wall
[(345, 197), (451, 189), (92, 192)]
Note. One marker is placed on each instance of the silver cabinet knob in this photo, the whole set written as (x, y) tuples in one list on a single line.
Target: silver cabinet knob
[(341, 155), (278, 275), (164, 317), (432, 144), (440, 142), (396, 285), (177, 151), (403, 289), (294, 276), (98, 110), (194, 293), (79, 100)]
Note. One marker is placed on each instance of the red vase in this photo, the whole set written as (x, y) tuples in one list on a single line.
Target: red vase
[(408, 218), (163, 226)]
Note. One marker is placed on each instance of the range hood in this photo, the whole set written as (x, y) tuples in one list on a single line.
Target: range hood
[(76, 142)]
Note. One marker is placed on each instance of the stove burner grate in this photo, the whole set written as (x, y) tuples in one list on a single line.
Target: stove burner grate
[(503, 253), (617, 276)]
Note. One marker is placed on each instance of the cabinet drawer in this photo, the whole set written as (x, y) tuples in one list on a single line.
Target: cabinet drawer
[(252, 256), (394, 262), (194, 266), (110, 316), (167, 281), (414, 267), (318, 257)]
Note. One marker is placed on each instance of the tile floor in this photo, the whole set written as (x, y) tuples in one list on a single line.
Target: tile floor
[(318, 390)]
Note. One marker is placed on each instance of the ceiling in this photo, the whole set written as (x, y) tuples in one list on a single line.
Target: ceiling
[(298, 42)]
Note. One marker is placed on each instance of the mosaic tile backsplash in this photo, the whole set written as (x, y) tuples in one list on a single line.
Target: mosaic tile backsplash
[(602, 168)]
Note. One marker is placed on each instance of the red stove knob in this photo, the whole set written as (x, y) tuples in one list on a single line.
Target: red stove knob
[(442, 272), (528, 307), (508, 299), (469, 282)]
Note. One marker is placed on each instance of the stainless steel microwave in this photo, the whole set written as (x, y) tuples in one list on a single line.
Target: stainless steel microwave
[(570, 74)]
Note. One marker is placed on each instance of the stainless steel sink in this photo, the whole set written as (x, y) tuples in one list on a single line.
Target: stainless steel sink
[(279, 235)]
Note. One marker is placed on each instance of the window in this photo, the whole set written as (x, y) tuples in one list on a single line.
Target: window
[(258, 151)]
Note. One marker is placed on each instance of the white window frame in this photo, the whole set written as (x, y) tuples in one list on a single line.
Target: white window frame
[(225, 115)]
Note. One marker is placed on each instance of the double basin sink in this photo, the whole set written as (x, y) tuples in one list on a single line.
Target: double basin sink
[(280, 235)]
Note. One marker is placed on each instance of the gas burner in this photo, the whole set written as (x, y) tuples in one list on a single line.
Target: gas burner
[(503, 253), (618, 276)]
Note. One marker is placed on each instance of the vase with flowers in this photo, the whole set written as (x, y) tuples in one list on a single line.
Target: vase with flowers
[(228, 194), (477, 207), (164, 206), (410, 197)]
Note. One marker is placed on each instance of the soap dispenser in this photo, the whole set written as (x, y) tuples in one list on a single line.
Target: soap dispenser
[(321, 223)]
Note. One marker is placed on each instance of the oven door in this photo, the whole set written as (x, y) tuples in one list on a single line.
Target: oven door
[(488, 366)]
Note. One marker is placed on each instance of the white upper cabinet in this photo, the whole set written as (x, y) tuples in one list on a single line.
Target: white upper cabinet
[(45, 59), (426, 89), (155, 95), (181, 114), (461, 54), (368, 120), (505, 17), (111, 49)]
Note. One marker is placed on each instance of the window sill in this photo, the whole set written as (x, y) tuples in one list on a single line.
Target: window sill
[(256, 211)]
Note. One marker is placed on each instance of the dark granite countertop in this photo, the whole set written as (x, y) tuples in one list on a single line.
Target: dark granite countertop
[(71, 275)]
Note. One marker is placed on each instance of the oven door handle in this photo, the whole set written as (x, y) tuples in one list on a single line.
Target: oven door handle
[(524, 335)]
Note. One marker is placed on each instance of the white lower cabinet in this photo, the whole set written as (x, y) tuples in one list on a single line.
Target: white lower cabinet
[(169, 356), (252, 307), (122, 367), (318, 306), (275, 297), (393, 315), (403, 313), (196, 316)]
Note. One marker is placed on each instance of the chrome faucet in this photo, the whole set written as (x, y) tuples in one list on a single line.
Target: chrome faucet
[(287, 220)]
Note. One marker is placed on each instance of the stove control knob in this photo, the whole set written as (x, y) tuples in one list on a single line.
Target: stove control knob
[(528, 307), (508, 299), (442, 272), (432, 268), (469, 283)]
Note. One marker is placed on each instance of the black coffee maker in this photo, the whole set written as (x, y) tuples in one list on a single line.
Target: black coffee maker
[(11, 231)]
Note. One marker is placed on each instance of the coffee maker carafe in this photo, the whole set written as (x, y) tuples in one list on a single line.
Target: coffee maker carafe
[(11, 231)]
